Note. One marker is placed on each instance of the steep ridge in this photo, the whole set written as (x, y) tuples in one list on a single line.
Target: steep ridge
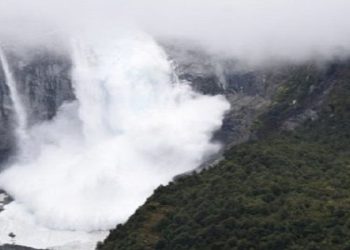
[(287, 188), (14, 247)]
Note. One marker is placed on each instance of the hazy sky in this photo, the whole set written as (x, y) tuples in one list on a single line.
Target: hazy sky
[(249, 29)]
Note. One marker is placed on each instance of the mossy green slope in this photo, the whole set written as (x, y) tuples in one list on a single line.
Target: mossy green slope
[(287, 190)]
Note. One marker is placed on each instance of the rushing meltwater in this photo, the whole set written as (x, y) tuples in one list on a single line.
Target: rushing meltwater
[(132, 128), (19, 110)]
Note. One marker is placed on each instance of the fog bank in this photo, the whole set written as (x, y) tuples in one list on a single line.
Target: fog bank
[(250, 30)]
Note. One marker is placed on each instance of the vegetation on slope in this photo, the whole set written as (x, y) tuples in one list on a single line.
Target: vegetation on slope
[(288, 190)]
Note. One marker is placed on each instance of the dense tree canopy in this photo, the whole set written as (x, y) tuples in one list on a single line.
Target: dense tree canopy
[(287, 190)]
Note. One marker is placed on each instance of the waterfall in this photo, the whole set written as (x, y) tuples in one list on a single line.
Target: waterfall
[(131, 128), (18, 107), (120, 82)]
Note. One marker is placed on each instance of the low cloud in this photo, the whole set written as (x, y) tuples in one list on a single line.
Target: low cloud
[(250, 30)]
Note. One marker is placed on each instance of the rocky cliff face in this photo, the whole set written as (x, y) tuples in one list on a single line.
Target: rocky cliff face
[(6, 119), (251, 91), (15, 247), (248, 92), (44, 82)]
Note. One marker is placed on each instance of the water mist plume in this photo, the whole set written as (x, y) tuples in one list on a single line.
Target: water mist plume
[(131, 129)]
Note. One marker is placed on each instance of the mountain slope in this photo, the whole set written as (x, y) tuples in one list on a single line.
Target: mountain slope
[(289, 189)]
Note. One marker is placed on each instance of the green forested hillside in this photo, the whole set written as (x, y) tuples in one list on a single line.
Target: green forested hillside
[(287, 190)]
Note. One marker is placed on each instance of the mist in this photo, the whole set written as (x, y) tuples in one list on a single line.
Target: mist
[(133, 127), (252, 30)]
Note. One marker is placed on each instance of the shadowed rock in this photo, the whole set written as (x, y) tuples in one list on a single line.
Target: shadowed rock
[(16, 247)]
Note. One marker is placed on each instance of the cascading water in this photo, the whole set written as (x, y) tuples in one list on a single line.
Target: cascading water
[(19, 109), (131, 129)]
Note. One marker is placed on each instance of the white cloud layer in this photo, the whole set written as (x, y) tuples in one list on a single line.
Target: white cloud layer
[(252, 30)]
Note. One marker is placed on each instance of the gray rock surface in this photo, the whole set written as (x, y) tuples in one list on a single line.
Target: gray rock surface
[(248, 91), (253, 91), (4, 199), (6, 119), (44, 82), (16, 247)]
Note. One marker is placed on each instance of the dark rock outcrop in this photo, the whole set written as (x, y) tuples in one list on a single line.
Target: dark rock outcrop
[(16, 247), (253, 91), (6, 119), (4, 199), (44, 82)]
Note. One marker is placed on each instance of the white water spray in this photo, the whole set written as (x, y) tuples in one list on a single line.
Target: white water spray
[(18, 108), (131, 129)]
